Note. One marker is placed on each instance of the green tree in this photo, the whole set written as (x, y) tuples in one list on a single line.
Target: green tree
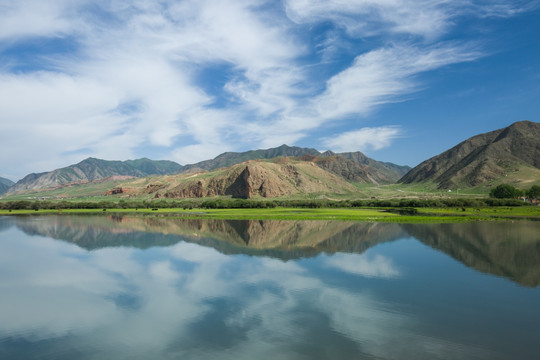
[(533, 192), (505, 191)]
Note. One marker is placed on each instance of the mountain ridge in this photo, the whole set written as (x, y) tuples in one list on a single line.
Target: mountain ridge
[(354, 167), (232, 158), (5, 185), (364, 169), (92, 169), (508, 155), (482, 158), (250, 179)]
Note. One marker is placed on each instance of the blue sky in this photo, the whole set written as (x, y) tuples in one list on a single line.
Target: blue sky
[(400, 80)]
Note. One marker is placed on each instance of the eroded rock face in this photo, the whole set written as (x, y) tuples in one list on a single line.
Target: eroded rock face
[(150, 188), (115, 191), (193, 190), (242, 186), (245, 183), (122, 190), (257, 179)]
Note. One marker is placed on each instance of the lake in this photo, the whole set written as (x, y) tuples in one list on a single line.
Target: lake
[(151, 287)]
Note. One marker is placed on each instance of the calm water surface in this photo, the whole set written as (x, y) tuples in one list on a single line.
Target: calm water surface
[(126, 287)]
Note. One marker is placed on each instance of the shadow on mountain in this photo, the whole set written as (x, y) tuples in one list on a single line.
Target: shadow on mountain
[(507, 249)]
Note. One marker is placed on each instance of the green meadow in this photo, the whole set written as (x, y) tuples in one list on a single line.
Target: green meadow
[(398, 215)]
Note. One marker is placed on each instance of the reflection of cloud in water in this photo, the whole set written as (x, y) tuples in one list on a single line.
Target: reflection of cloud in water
[(188, 300), (376, 266)]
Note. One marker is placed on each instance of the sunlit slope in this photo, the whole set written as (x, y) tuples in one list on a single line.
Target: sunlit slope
[(251, 179), (510, 155)]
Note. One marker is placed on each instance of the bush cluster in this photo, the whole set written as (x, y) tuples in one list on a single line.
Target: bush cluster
[(506, 191)]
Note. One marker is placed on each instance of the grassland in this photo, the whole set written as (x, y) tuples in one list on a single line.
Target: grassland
[(95, 191), (395, 215)]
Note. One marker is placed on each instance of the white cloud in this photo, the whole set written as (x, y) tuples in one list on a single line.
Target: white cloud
[(377, 77), (370, 17), (146, 60), (363, 139), (429, 19), (25, 18), (46, 115), (377, 266), (503, 8), (128, 75), (384, 75)]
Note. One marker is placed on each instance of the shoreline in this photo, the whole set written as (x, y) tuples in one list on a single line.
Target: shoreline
[(386, 215)]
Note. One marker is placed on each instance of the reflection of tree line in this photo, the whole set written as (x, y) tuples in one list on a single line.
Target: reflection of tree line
[(505, 249)]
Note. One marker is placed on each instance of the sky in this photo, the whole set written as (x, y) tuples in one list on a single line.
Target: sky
[(400, 80)]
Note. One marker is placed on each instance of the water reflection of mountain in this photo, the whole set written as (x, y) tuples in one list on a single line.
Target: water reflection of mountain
[(6, 222), (508, 249), (511, 250), (275, 238)]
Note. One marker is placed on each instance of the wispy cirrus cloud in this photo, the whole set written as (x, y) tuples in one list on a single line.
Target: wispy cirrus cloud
[(361, 18), (384, 75), (190, 79), (363, 139), (428, 19), (502, 8), (378, 77)]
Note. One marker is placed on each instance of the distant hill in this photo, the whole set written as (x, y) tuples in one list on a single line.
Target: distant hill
[(344, 169), (254, 178), (357, 167), (512, 153), (353, 166), (5, 184), (93, 169), (232, 158)]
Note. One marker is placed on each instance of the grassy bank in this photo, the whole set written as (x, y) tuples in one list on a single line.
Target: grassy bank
[(409, 215)]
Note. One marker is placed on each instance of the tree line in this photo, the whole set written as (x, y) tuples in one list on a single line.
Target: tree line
[(252, 204), (506, 191)]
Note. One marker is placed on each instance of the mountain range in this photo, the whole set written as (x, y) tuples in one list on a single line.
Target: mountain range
[(351, 166), (510, 155), (512, 152), (354, 166), (92, 169)]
